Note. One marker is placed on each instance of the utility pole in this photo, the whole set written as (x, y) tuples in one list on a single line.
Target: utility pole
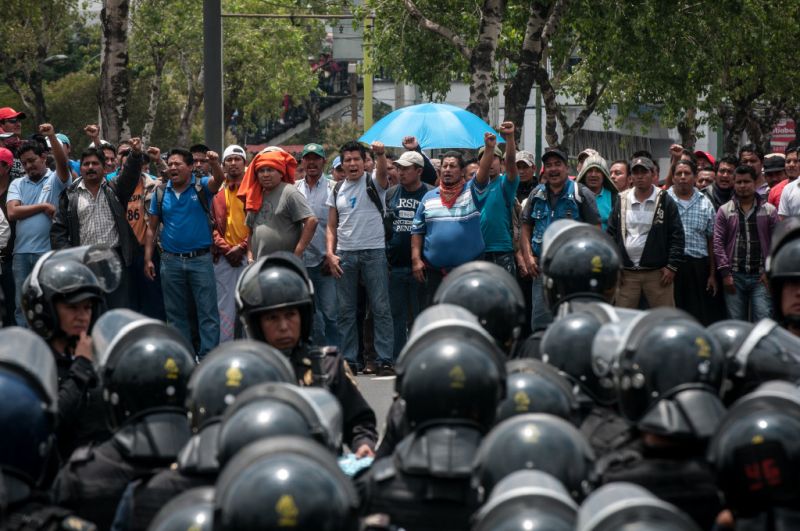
[(212, 75)]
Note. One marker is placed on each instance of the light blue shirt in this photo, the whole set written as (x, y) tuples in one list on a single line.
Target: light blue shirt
[(33, 233)]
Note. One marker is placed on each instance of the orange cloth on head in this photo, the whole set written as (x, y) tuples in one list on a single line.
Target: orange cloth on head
[(250, 191)]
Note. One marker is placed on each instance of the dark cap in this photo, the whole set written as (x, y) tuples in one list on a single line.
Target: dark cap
[(644, 162), (774, 163), (554, 152)]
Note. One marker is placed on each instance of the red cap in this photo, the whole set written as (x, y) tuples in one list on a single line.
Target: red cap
[(706, 155), (8, 112), (6, 156)]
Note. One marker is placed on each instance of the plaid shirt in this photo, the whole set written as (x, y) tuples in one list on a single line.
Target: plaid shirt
[(95, 219), (697, 215)]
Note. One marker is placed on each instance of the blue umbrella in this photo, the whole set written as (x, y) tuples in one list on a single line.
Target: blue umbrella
[(436, 126)]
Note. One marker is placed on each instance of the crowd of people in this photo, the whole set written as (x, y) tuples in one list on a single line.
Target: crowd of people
[(588, 353)]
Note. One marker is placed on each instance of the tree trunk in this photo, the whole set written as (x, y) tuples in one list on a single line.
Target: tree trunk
[(687, 128), (481, 61), (735, 123), (759, 127), (155, 96), (114, 81), (194, 98)]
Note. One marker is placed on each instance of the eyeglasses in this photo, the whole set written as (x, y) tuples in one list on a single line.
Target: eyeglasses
[(11, 120), (124, 153)]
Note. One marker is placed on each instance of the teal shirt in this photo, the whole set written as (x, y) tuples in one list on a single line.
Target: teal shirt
[(604, 205), (496, 224)]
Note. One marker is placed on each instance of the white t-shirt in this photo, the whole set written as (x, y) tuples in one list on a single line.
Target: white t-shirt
[(790, 200), (638, 220), (360, 222)]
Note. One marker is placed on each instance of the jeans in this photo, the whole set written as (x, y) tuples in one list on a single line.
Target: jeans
[(372, 265), (541, 315), (146, 296), (326, 329), (22, 265), (406, 297), (751, 302), (197, 276)]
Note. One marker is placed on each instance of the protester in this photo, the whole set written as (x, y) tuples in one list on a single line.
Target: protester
[(792, 169), (721, 190), (594, 175), (7, 250), (774, 169), (742, 232), (620, 174), (647, 227), (704, 178), (751, 155)]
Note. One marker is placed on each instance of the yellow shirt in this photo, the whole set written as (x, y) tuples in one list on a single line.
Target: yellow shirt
[(235, 228)]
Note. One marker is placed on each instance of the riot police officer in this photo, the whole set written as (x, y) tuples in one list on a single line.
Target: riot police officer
[(194, 510), (491, 294), (284, 482), (534, 387), (274, 300), (580, 264), (628, 506), (28, 411), (61, 299), (527, 499), (783, 271), (567, 346), (756, 453), (451, 377), (668, 371), (226, 372), (144, 366)]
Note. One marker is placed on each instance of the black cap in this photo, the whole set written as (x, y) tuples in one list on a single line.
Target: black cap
[(555, 152), (644, 162), (774, 164)]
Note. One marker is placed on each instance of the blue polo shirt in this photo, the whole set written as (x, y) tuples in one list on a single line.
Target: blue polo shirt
[(184, 221)]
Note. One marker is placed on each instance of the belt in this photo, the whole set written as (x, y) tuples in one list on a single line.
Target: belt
[(192, 254)]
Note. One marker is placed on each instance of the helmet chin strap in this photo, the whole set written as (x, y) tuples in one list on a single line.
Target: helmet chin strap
[(792, 323)]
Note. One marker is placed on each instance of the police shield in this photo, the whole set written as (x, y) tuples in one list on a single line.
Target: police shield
[(24, 351)]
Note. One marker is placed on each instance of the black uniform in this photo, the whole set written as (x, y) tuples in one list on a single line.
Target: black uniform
[(81, 411), (94, 479), (359, 426), (36, 514)]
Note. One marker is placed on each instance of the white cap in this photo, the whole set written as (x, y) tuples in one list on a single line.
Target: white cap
[(410, 157), (232, 150)]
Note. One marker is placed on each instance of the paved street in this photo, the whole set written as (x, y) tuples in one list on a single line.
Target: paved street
[(379, 392)]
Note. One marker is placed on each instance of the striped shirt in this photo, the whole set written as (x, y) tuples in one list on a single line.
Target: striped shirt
[(452, 235), (697, 215)]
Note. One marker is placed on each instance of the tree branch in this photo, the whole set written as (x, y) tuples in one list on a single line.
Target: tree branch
[(552, 22), (438, 29)]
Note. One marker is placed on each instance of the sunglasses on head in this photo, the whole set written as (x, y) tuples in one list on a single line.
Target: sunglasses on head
[(12, 120)]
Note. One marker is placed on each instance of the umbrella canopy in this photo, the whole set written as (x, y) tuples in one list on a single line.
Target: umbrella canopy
[(436, 126)]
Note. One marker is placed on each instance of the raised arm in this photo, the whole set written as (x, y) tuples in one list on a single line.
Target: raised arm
[(62, 166)]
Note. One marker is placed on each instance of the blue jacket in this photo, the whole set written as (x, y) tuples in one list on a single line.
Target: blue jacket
[(542, 215)]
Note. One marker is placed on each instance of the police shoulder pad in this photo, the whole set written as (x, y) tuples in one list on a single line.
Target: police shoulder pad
[(82, 454), (73, 523)]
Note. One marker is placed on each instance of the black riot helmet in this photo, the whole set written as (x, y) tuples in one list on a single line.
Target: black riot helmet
[(278, 280), (578, 261), (756, 450), (625, 506), (783, 264), (28, 407), (669, 377), (71, 275), (285, 482), (191, 510), (527, 500), (275, 409), (450, 369), (532, 386), (768, 352), (567, 346), (534, 441), (228, 370), (143, 363), (730, 333), (491, 294)]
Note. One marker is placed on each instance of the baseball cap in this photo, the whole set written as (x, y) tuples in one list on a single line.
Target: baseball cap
[(232, 150), (6, 156), (644, 162), (774, 163), (8, 112), (705, 155), (316, 149), (588, 152), (410, 158), (526, 157), (64, 139), (555, 152), (337, 162), (497, 152)]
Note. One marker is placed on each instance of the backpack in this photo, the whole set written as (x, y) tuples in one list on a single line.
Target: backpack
[(201, 196), (374, 196)]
